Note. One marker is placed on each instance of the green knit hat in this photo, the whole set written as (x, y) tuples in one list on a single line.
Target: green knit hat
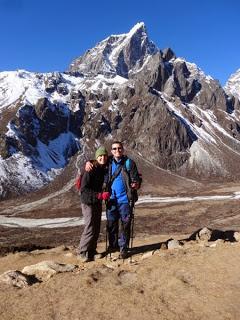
[(100, 152)]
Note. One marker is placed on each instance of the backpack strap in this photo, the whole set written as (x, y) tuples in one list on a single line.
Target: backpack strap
[(115, 174), (128, 164)]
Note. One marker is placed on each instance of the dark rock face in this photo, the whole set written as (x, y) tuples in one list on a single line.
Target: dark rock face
[(153, 125), (156, 72), (10, 145), (212, 96), (4, 147), (184, 87), (45, 122), (142, 119), (53, 119), (28, 125), (168, 54)]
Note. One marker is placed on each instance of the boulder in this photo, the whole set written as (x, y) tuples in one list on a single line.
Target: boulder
[(204, 234), (17, 279), (44, 270), (237, 236), (173, 244)]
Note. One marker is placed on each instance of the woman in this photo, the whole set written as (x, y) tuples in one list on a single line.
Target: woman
[(91, 201)]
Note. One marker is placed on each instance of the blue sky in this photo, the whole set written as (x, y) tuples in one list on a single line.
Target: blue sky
[(46, 35)]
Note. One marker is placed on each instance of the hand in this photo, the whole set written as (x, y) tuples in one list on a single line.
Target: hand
[(99, 196), (88, 166), (106, 195), (135, 185)]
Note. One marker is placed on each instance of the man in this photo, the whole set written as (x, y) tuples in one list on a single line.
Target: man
[(123, 180)]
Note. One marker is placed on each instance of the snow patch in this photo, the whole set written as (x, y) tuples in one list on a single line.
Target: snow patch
[(204, 160)]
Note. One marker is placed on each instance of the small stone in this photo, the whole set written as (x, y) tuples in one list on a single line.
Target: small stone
[(133, 262), (69, 254), (236, 236), (147, 255), (173, 244), (163, 246), (109, 266), (213, 245)]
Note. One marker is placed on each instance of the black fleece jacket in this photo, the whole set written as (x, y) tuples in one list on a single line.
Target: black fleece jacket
[(91, 184)]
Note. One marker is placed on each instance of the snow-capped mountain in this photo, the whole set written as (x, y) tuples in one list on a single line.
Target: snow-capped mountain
[(165, 110), (233, 84), (117, 55)]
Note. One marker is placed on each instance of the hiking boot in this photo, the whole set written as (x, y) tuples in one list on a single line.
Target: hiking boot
[(123, 254), (112, 249), (84, 257), (96, 255)]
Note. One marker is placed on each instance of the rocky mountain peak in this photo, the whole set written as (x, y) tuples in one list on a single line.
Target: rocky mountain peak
[(168, 54), (117, 55), (233, 84)]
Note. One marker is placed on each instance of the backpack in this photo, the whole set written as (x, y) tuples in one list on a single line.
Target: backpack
[(127, 167), (78, 178), (78, 182)]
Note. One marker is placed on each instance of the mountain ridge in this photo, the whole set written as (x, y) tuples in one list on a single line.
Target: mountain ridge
[(127, 88)]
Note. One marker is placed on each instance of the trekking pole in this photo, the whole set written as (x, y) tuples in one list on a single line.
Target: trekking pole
[(106, 238), (132, 232), (106, 235)]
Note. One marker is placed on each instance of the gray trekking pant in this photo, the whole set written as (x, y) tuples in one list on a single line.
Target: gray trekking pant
[(92, 219)]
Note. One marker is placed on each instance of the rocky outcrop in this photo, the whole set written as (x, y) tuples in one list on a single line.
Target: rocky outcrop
[(8, 145), (53, 119), (212, 96), (54, 82)]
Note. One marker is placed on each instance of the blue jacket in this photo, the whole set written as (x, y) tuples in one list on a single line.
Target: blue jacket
[(120, 187), (118, 190)]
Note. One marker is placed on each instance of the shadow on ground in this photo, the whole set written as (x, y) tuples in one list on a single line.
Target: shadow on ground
[(212, 235)]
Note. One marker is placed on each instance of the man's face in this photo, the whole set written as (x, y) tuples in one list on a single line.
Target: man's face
[(117, 150)]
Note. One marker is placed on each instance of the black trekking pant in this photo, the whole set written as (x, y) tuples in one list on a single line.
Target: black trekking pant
[(119, 225)]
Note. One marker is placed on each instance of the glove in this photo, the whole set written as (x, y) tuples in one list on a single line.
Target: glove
[(135, 185), (106, 195), (99, 196)]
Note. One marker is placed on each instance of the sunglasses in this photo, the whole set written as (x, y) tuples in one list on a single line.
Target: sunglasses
[(117, 149)]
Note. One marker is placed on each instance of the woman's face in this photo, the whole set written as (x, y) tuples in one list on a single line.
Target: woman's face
[(102, 159)]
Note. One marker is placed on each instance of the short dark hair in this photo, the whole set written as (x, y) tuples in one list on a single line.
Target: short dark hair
[(117, 142)]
